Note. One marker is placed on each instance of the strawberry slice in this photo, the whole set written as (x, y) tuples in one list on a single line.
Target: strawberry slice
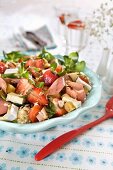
[(2, 67), (37, 95), (30, 63), (38, 63), (23, 86), (34, 112), (77, 24), (62, 18), (49, 77), (58, 69)]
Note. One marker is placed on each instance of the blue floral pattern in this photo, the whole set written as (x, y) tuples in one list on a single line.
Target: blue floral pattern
[(43, 137), (33, 153), (87, 142), (75, 158), (3, 133), (61, 157), (3, 166), (91, 160), (23, 152)]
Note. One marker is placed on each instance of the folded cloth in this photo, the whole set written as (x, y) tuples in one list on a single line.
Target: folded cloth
[(34, 40)]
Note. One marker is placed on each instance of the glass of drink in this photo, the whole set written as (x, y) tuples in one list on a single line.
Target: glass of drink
[(73, 28)]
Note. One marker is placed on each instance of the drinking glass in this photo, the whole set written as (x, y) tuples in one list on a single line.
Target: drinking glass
[(73, 28)]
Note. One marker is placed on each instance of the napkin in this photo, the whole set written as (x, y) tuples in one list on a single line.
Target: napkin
[(34, 40)]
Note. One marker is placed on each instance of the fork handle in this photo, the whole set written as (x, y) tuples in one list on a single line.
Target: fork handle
[(66, 137)]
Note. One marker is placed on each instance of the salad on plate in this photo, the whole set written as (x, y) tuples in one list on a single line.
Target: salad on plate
[(40, 87)]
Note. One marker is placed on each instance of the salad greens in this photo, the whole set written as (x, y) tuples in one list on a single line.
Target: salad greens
[(44, 54), (50, 109), (13, 56)]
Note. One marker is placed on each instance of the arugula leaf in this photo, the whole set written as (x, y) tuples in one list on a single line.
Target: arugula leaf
[(50, 109), (23, 73), (53, 66), (13, 56)]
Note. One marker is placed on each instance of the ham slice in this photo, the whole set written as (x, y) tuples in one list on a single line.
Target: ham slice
[(75, 85), (3, 85), (81, 95), (3, 106), (56, 87)]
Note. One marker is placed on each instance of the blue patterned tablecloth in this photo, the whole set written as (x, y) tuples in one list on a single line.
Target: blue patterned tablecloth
[(91, 150)]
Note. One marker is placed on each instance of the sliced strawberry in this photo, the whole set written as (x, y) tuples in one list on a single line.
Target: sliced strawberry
[(58, 69), (37, 95), (62, 18), (49, 77), (2, 67), (77, 24), (39, 63), (34, 112), (30, 63), (23, 86)]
